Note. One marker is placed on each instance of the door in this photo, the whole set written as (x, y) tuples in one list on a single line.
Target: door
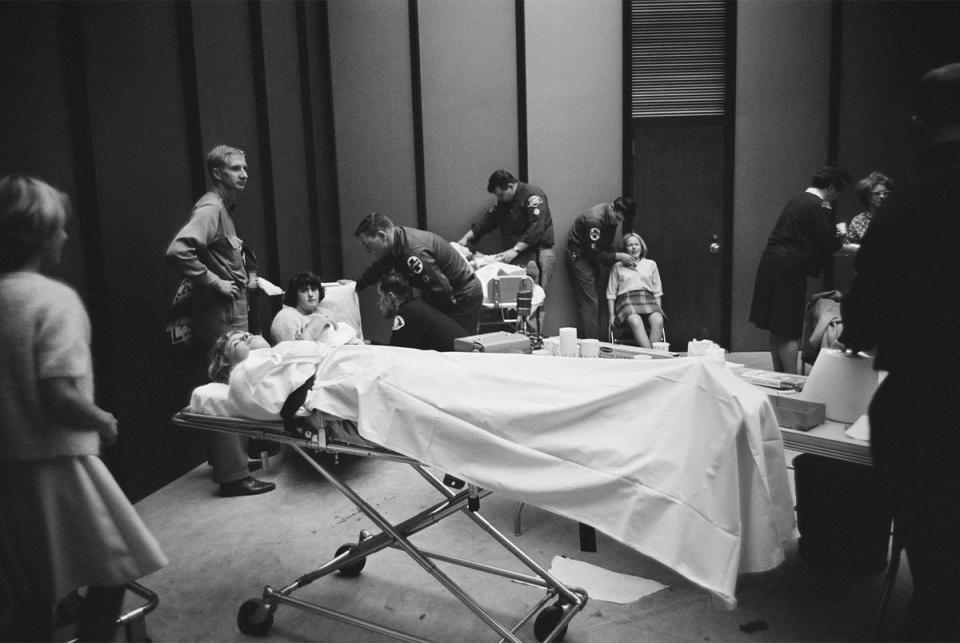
[(678, 178)]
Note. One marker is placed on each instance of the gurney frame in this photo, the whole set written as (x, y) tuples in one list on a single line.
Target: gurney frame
[(255, 616)]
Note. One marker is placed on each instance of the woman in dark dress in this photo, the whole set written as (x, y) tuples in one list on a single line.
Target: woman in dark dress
[(802, 242)]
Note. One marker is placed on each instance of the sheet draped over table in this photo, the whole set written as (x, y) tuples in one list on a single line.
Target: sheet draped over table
[(678, 459)]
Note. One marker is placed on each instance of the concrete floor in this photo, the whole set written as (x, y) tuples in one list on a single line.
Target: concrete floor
[(223, 551)]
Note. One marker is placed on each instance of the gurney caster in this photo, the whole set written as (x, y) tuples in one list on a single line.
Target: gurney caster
[(255, 618), (548, 618), (353, 569)]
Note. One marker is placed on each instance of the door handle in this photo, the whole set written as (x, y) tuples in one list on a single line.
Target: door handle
[(714, 246)]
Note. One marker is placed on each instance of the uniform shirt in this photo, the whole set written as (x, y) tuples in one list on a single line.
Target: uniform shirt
[(594, 234), (420, 325), (429, 261), (526, 218), (207, 248)]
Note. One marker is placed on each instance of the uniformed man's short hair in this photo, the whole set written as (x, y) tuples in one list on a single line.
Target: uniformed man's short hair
[(219, 157), (373, 223), (625, 205), (830, 176), (299, 282), (501, 179), (396, 283)]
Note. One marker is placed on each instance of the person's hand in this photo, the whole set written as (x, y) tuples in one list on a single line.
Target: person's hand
[(841, 229), (108, 428), (226, 288), (464, 240), (507, 256), (252, 282), (626, 260)]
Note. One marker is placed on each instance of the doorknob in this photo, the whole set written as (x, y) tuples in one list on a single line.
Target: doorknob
[(714, 246)]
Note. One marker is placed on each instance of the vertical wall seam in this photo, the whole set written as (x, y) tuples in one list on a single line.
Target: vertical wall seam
[(310, 148), (833, 127), (191, 96), (627, 186), (729, 173), (333, 180), (415, 82), (520, 19), (264, 140)]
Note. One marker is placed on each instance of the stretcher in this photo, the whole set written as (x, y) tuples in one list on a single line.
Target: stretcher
[(317, 432)]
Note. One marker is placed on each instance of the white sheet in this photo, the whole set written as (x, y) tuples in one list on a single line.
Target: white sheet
[(678, 459)]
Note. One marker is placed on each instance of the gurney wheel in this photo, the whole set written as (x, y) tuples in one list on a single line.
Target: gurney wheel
[(355, 568), (546, 620), (254, 618)]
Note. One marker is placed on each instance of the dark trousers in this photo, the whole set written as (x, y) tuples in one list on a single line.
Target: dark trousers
[(915, 440), (589, 281), (466, 311)]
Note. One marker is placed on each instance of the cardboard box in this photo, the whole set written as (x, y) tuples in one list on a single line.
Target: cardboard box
[(794, 413), (497, 342)]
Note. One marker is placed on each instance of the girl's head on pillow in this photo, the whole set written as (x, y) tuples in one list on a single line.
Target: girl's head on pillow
[(232, 348)]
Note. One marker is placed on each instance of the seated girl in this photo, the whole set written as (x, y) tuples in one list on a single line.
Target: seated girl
[(303, 318), (634, 294)]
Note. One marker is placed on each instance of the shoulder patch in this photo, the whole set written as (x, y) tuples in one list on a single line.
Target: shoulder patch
[(415, 265), (398, 323), (535, 201), (594, 234)]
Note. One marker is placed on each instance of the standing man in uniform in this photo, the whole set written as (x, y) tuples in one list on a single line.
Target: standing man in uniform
[(905, 289), (591, 251), (208, 252), (523, 215), (415, 323), (445, 279)]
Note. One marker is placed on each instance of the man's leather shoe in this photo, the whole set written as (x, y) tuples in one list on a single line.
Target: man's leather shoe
[(248, 486)]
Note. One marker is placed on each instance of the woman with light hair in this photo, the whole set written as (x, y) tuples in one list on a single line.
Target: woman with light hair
[(64, 521)]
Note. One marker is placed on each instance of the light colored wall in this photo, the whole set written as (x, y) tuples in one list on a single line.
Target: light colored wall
[(373, 117), (782, 121), (468, 65), (575, 132)]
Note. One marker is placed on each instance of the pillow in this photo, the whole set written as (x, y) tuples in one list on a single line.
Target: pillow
[(340, 300)]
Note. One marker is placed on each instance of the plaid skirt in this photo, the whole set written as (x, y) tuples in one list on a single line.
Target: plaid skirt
[(635, 302)]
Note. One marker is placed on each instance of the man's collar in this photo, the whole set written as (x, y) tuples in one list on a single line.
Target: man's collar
[(820, 194)]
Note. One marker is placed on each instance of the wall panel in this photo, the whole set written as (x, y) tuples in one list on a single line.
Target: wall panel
[(782, 130), (287, 150), (574, 115), (469, 88), (373, 116), (142, 175)]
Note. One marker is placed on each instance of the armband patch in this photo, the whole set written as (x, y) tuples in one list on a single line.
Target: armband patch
[(594, 234), (415, 265), (398, 323)]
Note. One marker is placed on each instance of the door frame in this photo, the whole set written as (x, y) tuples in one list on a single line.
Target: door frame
[(729, 125)]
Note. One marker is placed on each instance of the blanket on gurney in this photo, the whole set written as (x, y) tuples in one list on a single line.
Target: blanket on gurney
[(678, 459)]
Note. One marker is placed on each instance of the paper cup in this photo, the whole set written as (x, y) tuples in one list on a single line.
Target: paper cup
[(568, 341), (661, 346), (590, 348)]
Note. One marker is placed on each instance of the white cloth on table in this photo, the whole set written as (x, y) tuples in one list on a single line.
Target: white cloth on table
[(678, 459)]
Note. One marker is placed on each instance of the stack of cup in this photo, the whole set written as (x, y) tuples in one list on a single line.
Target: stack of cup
[(568, 342)]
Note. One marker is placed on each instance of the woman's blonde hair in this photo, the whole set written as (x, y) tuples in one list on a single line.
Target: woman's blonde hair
[(31, 212), (220, 365), (643, 244)]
